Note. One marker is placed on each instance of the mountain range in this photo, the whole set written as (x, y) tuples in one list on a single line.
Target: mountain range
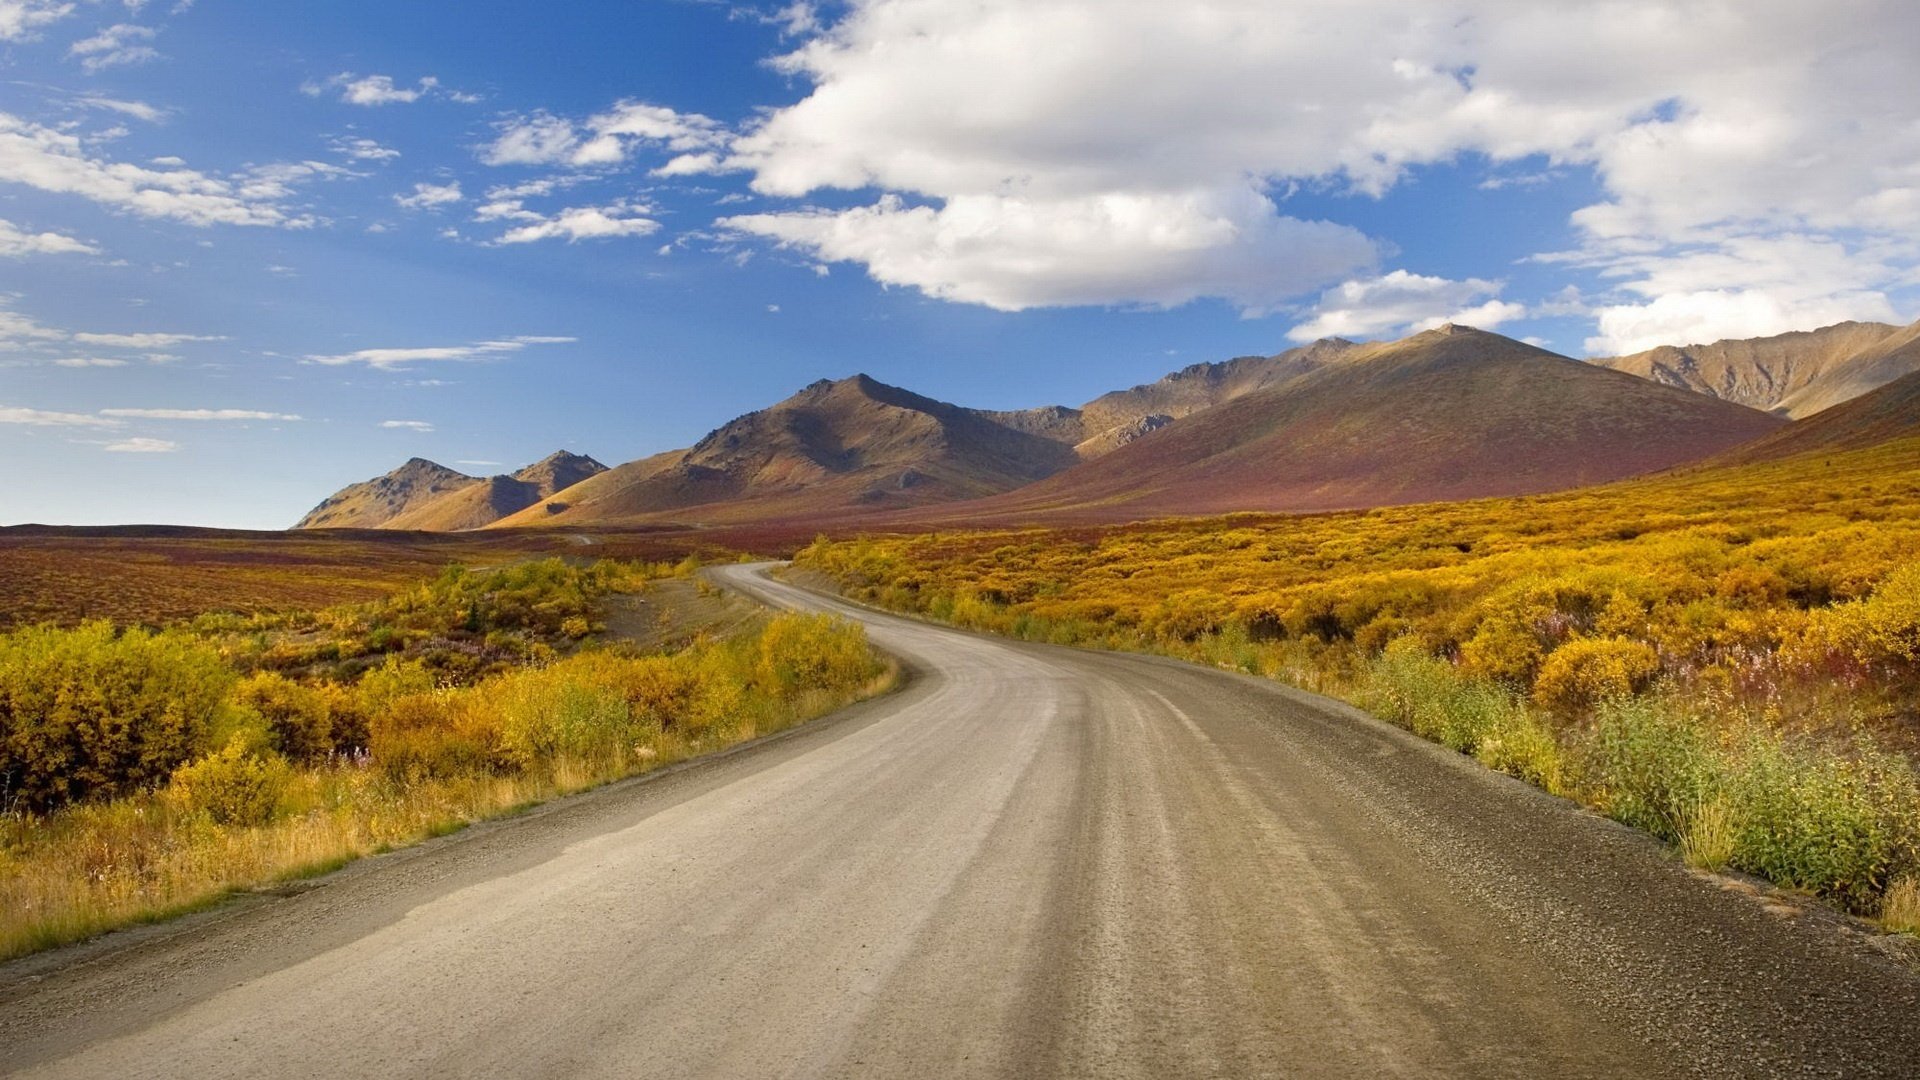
[(1795, 374), (1449, 413)]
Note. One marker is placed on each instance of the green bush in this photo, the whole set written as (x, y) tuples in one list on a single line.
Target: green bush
[(1652, 766), (90, 712), (1840, 826), (232, 786)]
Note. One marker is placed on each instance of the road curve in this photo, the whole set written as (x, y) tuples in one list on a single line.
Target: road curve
[(1032, 862)]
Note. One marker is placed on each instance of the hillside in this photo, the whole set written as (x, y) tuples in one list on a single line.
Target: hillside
[(1879, 416), (1795, 374), (1113, 420), (836, 445), (1453, 413), (423, 495), (478, 505), (370, 504)]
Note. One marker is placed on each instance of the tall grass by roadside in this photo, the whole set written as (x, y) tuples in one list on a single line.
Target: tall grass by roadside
[(436, 757), (1728, 658), (1838, 819)]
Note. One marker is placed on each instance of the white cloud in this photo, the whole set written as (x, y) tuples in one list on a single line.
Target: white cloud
[(374, 90), (1704, 123), (1742, 286), (430, 196), (1399, 303), (1712, 315), (15, 243), (42, 418), (198, 414), (573, 224), (120, 45), (145, 341), (139, 110), (605, 139), (56, 161), (360, 148), (20, 18), (1012, 253), (407, 425), (140, 444), (395, 359)]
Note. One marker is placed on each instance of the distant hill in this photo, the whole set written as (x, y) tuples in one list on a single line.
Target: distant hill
[(372, 503), (1452, 413), (427, 496), (1879, 416), (836, 445), (481, 504), (1115, 419), (1796, 374)]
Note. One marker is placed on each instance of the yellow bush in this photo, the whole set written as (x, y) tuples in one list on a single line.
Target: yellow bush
[(92, 712), (299, 717), (1586, 671), (232, 786)]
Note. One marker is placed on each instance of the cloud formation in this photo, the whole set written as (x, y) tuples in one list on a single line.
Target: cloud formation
[(605, 139), (1401, 303), (397, 359), (121, 45), (16, 243), (58, 161), (1708, 126)]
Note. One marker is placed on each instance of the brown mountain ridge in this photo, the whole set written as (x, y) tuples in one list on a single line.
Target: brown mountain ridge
[(1450, 413)]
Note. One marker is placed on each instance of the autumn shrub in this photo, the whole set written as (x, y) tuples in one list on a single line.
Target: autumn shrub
[(93, 712), (299, 717), (1430, 697), (438, 733), (1585, 671), (556, 712), (235, 785)]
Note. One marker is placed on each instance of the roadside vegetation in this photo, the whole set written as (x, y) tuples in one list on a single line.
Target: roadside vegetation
[(145, 772), (1729, 659)]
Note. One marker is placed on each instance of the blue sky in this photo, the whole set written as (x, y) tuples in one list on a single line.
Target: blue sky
[(252, 252)]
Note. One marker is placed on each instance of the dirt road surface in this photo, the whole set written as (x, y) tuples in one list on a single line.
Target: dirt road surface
[(1032, 862)]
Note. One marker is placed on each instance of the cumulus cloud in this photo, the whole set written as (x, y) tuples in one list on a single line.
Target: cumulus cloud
[(1012, 253), (16, 243), (397, 359), (20, 18), (573, 224), (120, 45), (360, 148), (602, 140), (1400, 303), (1705, 124), (375, 90), (57, 161), (141, 444), (430, 196)]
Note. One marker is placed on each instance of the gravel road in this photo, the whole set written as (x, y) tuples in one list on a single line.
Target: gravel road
[(1031, 862)]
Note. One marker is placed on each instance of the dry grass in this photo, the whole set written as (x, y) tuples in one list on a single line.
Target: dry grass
[(1711, 837), (98, 867), (1900, 910)]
